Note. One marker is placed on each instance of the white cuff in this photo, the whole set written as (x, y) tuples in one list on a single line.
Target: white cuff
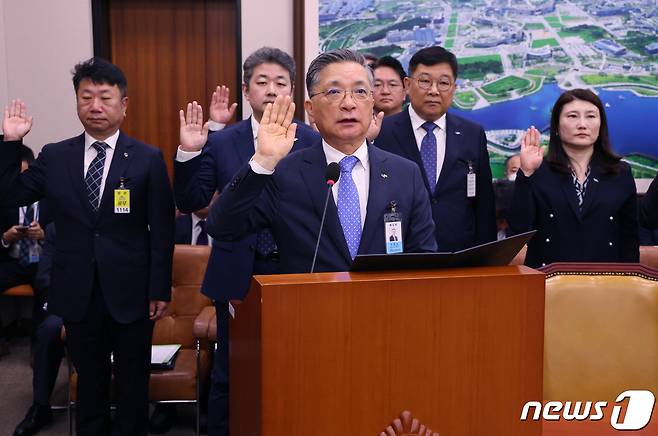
[(184, 156), (258, 169), (215, 126)]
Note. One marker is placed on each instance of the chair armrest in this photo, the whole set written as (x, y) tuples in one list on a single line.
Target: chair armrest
[(203, 323)]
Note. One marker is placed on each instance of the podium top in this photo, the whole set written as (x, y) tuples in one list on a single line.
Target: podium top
[(362, 276)]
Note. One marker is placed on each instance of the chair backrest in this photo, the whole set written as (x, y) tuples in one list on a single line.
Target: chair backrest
[(648, 256), (186, 299), (601, 331)]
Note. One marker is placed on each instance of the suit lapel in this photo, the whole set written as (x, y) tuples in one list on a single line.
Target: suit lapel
[(592, 188), (453, 135), (313, 173), (569, 191), (76, 162), (243, 141), (377, 198), (120, 161), (404, 135)]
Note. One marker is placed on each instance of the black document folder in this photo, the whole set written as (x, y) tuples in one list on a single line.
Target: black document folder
[(495, 253)]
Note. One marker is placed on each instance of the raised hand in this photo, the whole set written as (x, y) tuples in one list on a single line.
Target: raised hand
[(276, 134), (375, 126), (16, 124), (531, 153), (220, 112), (193, 131)]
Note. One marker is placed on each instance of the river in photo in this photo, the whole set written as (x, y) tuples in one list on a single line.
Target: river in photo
[(632, 119)]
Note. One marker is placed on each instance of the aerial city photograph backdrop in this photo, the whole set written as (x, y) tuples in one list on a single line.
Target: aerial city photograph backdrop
[(517, 56)]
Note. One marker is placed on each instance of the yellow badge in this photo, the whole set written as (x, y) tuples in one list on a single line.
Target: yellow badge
[(122, 201)]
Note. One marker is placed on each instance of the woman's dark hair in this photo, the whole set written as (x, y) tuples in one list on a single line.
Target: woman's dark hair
[(557, 157)]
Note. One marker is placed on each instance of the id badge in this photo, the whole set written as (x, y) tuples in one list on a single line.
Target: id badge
[(393, 230), (122, 200), (33, 253), (470, 181)]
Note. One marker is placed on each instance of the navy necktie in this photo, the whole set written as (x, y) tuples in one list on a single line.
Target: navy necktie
[(265, 244), (349, 210), (202, 239), (94, 175), (428, 154)]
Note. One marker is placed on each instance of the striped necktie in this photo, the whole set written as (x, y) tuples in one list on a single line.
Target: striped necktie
[(94, 175)]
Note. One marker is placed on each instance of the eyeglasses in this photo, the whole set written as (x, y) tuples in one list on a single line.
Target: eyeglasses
[(443, 84), (335, 95)]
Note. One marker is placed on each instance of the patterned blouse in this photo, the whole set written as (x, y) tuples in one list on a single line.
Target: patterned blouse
[(580, 188)]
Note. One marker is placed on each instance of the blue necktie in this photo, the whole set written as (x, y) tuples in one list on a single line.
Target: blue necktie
[(349, 211), (25, 243), (265, 244), (202, 238), (428, 154), (94, 175)]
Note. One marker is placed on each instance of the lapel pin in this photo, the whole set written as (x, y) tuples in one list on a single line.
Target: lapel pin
[(125, 155), (458, 132), (384, 175), (595, 179)]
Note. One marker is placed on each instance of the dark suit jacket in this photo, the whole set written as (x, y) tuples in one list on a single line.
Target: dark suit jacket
[(42, 278), (291, 203), (605, 231), (131, 254), (184, 229), (649, 207), (230, 266), (461, 222)]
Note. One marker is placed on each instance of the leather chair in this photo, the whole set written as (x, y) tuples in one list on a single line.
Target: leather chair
[(19, 291), (648, 256), (184, 318), (183, 383), (601, 331)]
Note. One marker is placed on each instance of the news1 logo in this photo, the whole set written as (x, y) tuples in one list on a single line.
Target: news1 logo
[(637, 416)]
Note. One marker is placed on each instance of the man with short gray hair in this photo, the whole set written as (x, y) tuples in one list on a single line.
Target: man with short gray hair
[(268, 73), (286, 192)]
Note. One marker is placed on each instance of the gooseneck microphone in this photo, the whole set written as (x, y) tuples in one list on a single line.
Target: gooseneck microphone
[(331, 176)]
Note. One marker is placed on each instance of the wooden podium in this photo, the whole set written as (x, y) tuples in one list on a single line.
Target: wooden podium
[(346, 353)]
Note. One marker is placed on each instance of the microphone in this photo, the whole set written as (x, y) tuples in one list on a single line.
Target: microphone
[(331, 175)]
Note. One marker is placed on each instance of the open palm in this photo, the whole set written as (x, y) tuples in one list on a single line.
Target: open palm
[(16, 123), (193, 131), (532, 153), (276, 134), (220, 111)]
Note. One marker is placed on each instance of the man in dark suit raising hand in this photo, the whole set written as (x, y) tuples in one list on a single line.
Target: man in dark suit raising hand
[(111, 273), (287, 191)]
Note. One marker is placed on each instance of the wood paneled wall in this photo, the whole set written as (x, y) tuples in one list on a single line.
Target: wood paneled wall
[(172, 52)]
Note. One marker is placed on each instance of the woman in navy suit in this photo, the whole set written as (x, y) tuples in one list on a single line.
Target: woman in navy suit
[(581, 198)]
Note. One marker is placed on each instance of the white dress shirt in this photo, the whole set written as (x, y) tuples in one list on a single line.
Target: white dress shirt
[(439, 132), (90, 154), (196, 230)]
